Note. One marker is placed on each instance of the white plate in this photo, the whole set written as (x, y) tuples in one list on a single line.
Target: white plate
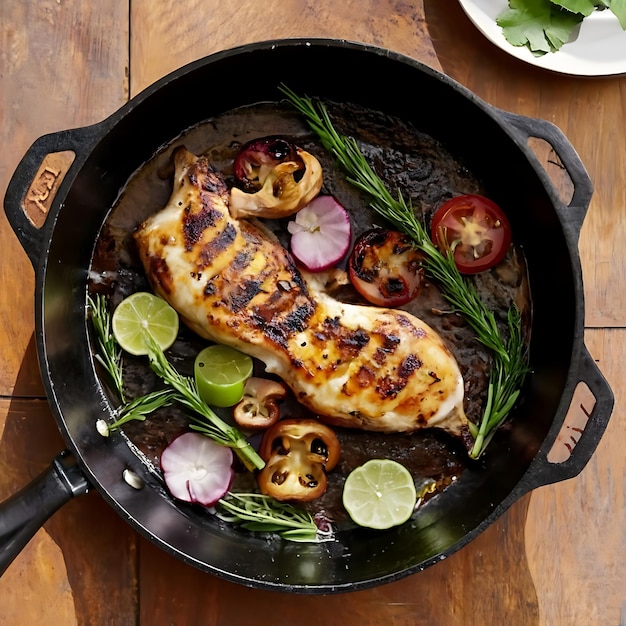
[(597, 49)]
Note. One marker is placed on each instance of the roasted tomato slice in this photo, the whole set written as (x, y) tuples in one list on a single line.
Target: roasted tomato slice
[(385, 268), (475, 228), (297, 455)]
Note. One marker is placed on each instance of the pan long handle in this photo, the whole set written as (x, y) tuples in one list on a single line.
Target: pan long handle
[(543, 471), (25, 512), (573, 214), (45, 171)]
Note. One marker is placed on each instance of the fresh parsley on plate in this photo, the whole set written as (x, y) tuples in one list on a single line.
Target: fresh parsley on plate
[(546, 25)]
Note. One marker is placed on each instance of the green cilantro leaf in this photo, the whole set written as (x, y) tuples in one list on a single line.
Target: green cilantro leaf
[(539, 24), (619, 8), (586, 7), (545, 25)]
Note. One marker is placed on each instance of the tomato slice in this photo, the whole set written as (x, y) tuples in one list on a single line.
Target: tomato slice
[(297, 453), (475, 228), (385, 268)]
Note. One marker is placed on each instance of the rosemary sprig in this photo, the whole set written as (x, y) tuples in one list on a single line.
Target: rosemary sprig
[(110, 356), (110, 353), (205, 419), (138, 409), (509, 365), (260, 513), (505, 381)]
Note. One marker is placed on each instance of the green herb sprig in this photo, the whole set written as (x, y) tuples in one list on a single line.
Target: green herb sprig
[(110, 353), (205, 420), (545, 26), (509, 366), (137, 410), (261, 513)]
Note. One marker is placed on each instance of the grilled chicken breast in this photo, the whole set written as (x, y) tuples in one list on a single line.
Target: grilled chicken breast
[(233, 283)]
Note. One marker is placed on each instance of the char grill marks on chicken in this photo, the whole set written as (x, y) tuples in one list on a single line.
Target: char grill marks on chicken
[(233, 283)]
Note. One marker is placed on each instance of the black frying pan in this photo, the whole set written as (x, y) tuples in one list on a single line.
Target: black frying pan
[(493, 142)]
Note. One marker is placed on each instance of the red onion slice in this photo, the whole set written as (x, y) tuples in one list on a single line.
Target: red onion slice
[(320, 234), (196, 469)]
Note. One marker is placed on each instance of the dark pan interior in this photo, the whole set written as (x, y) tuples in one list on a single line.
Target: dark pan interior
[(437, 106)]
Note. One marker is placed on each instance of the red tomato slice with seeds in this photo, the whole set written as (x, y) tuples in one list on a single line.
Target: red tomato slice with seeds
[(475, 228)]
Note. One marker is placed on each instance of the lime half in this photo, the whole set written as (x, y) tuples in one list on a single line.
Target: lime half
[(379, 494), (221, 373), (144, 315)]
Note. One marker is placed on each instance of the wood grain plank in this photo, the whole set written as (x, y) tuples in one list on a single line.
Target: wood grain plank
[(168, 35), (591, 113), (80, 567), (576, 530), (488, 577), (61, 65)]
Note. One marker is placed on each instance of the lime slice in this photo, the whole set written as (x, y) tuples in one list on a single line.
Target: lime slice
[(144, 315), (221, 373), (379, 494)]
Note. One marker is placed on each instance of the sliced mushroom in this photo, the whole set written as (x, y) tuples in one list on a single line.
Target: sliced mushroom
[(288, 187), (258, 409)]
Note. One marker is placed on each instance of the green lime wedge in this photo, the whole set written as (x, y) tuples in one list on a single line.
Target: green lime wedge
[(144, 315), (379, 494), (221, 373)]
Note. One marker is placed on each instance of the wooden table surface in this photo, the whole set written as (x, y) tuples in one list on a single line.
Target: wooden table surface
[(556, 558)]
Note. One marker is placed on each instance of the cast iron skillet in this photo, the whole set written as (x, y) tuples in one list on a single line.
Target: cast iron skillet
[(493, 142)]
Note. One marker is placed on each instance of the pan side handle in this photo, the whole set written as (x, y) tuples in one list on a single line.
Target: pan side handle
[(578, 432), (25, 512), (45, 171), (572, 214)]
